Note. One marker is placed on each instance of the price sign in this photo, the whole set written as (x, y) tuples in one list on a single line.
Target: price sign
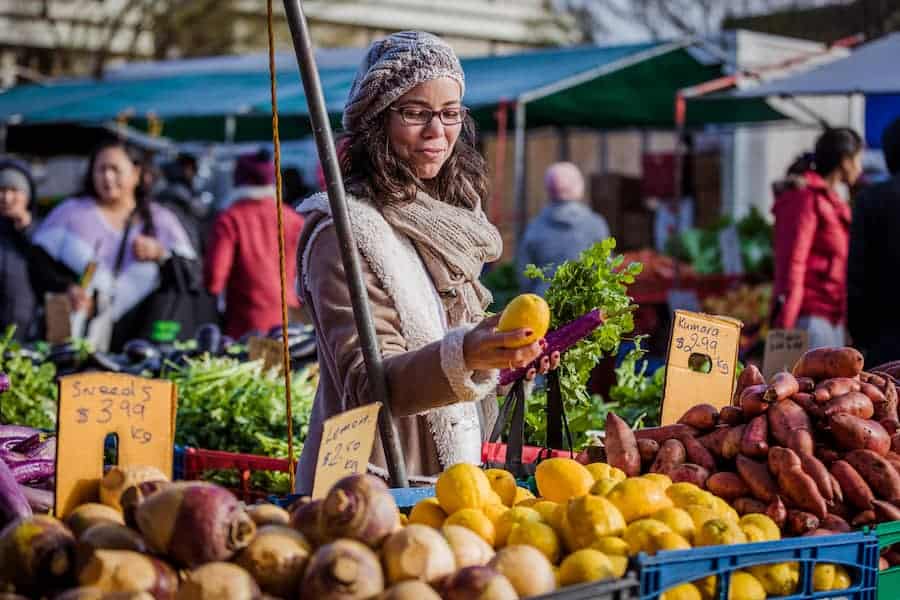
[(703, 350), (139, 411), (269, 350), (346, 445), (784, 347)]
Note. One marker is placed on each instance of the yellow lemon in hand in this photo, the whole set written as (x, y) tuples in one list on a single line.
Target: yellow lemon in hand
[(526, 311)]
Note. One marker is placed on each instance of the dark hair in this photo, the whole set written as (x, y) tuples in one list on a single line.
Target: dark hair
[(373, 171), (890, 144), (833, 147), (141, 196), (803, 163)]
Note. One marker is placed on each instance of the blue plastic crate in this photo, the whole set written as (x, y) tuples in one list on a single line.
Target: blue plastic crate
[(178, 463), (406, 498), (857, 551), (623, 588)]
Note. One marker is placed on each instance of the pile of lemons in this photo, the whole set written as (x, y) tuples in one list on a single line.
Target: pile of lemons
[(589, 519)]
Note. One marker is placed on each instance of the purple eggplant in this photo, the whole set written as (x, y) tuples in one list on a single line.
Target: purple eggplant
[(4, 382), (45, 450), (28, 444), (13, 504), (33, 469), (41, 501), (19, 432)]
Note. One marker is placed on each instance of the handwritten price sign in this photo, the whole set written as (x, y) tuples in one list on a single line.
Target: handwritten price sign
[(703, 351), (139, 411), (784, 347), (346, 445)]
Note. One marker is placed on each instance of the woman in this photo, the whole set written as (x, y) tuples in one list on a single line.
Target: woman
[(812, 233), (18, 300), (415, 185), (112, 224)]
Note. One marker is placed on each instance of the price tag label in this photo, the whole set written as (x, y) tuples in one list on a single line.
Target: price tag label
[(346, 445), (140, 412), (703, 351), (784, 347), (269, 350)]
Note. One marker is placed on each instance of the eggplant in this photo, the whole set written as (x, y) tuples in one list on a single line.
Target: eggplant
[(33, 470), (4, 382), (13, 504), (45, 450), (28, 444), (209, 338), (41, 501), (139, 350), (18, 432)]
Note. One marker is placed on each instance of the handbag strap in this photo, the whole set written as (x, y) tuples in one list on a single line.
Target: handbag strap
[(120, 254)]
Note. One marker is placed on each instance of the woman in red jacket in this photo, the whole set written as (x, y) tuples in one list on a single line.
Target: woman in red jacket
[(812, 234)]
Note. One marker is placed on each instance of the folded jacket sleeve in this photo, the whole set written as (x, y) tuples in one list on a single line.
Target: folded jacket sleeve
[(418, 380)]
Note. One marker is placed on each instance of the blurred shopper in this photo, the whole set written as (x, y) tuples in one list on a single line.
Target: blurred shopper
[(874, 259), (176, 192), (812, 230), (18, 299), (132, 243), (565, 228), (242, 260)]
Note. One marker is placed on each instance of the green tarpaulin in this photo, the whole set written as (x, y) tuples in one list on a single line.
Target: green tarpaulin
[(604, 87)]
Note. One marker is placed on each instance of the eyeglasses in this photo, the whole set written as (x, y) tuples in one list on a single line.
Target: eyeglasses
[(416, 115)]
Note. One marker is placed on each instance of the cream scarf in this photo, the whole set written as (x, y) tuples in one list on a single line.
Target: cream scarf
[(452, 244)]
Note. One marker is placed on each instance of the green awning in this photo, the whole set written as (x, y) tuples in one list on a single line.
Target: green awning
[(631, 85)]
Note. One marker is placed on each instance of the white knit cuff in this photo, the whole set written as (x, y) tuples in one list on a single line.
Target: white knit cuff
[(467, 385)]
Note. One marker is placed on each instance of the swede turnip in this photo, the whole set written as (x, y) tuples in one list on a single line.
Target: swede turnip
[(276, 559), (195, 523), (128, 571), (120, 478), (469, 548), (268, 514), (359, 507), (527, 569), (305, 519), (37, 554), (218, 581), (478, 583), (417, 552), (410, 590), (342, 570), (90, 514)]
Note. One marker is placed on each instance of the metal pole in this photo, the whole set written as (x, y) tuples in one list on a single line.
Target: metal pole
[(318, 116), (519, 195)]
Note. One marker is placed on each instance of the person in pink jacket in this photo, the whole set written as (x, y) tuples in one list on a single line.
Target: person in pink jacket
[(812, 237)]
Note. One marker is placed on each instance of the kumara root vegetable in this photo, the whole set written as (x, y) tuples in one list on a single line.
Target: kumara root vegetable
[(885, 511), (713, 441), (853, 433), (730, 415), (786, 417), (801, 441), (801, 490), (36, 553), (823, 363), (751, 401), (342, 570), (813, 467), (417, 552), (670, 455), (697, 454), (647, 449), (746, 505), (783, 385), (837, 386), (219, 581), (728, 485), (700, 416), (665, 432), (851, 403), (800, 523), (777, 511), (690, 473), (731, 443), (757, 477), (621, 446), (750, 376), (128, 571), (754, 441), (478, 583), (119, 478), (359, 507), (866, 517), (855, 489), (835, 523), (276, 559), (195, 523), (877, 472)]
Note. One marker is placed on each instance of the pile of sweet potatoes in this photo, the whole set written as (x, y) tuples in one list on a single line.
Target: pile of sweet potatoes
[(817, 449)]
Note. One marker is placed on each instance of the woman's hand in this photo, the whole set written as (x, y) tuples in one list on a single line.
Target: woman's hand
[(547, 364), (80, 299), (485, 348), (146, 248)]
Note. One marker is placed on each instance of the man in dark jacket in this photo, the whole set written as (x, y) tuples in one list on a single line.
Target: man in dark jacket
[(874, 261), (565, 228), (18, 301)]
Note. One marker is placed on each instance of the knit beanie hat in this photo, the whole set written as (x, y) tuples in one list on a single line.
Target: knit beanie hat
[(392, 67), (254, 169), (564, 181)]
